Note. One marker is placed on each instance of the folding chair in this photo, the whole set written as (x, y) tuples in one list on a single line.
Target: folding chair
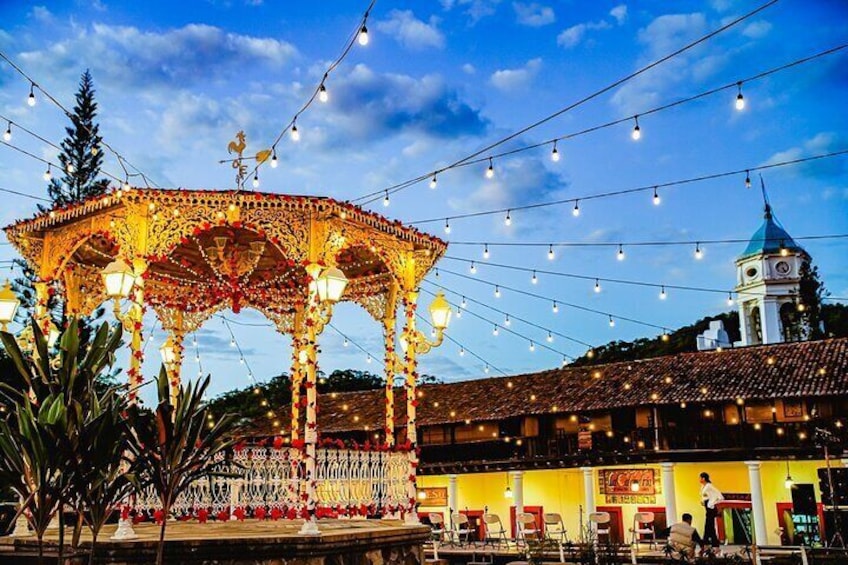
[(526, 526), (461, 528), (495, 532), (601, 521), (643, 524), (437, 524), (554, 527)]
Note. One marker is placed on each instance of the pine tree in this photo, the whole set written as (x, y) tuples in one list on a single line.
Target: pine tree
[(81, 159)]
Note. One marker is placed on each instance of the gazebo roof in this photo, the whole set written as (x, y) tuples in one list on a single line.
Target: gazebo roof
[(204, 250)]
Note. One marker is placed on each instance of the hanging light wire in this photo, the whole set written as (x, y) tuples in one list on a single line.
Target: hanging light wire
[(463, 347)]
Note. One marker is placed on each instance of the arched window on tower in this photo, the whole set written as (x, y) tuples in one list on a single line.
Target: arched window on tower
[(790, 322), (756, 326)]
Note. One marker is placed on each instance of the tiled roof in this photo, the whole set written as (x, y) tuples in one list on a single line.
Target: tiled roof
[(806, 369)]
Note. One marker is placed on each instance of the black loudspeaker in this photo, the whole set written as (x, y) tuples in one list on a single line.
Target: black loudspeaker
[(804, 500), (840, 486)]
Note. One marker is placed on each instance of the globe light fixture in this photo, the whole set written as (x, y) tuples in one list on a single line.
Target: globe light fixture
[(9, 303), (118, 278), (331, 284), (440, 312), (168, 352)]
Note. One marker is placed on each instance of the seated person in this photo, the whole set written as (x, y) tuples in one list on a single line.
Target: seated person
[(683, 537)]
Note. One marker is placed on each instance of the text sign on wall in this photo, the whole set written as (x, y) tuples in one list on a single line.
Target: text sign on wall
[(624, 482), (435, 496)]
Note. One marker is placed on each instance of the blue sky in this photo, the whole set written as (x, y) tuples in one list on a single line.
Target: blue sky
[(439, 80)]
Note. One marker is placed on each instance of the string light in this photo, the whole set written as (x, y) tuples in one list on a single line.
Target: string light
[(551, 254), (576, 211), (664, 336), (497, 291), (48, 174), (611, 322), (550, 337), (485, 251), (783, 251), (662, 294), (70, 168), (322, 92), (127, 183), (345, 343), (555, 153), (507, 321), (473, 268), (729, 299), (294, 132), (747, 179), (447, 226), (31, 98), (532, 347), (256, 180), (486, 369), (464, 303), (434, 181), (368, 359), (7, 135), (458, 312), (386, 199), (636, 134), (508, 219), (534, 279), (555, 307), (620, 255), (490, 172), (363, 36), (698, 253), (656, 197), (495, 331), (597, 286), (740, 100), (274, 161), (232, 342), (462, 352)]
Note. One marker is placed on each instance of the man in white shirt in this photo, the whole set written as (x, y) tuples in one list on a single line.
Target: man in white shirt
[(711, 496)]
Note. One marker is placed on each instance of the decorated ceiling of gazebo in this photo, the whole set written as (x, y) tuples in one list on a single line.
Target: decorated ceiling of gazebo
[(201, 251)]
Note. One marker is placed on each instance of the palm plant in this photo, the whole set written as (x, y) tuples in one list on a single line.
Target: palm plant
[(175, 446)]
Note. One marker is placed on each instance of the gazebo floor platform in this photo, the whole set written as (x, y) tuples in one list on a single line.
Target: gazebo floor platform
[(341, 542)]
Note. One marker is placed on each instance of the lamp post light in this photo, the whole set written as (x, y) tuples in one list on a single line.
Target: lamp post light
[(9, 303), (119, 279)]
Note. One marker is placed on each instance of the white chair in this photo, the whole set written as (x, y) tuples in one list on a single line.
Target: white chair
[(526, 525), (461, 528), (437, 524), (600, 522), (554, 527), (495, 532), (643, 524)]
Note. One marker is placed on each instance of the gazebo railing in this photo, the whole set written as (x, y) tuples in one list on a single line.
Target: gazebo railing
[(349, 482)]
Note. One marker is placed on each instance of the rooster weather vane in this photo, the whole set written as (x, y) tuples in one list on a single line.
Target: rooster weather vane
[(237, 146)]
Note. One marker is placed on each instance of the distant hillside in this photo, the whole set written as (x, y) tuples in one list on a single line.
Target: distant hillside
[(834, 316)]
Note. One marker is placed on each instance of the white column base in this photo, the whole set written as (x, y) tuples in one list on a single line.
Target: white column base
[(21, 528), (125, 530), (310, 528)]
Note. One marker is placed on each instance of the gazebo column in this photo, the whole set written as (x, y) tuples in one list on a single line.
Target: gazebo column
[(410, 371), (134, 323), (174, 368), (42, 316), (296, 372), (391, 366)]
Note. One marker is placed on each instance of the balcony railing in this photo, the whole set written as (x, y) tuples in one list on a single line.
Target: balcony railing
[(707, 436)]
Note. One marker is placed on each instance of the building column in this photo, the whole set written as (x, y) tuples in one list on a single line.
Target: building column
[(670, 494), (135, 320), (770, 320), (453, 497), (588, 489), (391, 367), (757, 509), (410, 369), (518, 491)]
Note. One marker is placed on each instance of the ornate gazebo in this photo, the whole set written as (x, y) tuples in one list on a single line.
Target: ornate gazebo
[(188, 254)]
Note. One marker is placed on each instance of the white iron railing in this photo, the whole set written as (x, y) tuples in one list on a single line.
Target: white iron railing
[(272, 478)]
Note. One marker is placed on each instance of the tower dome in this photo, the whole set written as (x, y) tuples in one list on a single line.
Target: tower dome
[(770, 238)]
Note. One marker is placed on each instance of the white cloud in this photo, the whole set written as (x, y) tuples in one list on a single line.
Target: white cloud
[(533, 14), (474, 9), (516, 79), (41, 14), (411, 32), (757, 29), (619, 13), (469, 69), (822, 142)]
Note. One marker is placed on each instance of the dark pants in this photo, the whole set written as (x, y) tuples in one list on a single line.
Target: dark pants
[(710, 535)]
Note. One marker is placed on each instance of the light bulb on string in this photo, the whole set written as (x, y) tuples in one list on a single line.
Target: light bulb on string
[(664, 335), (576, 211), (274, 161), (532, 347), (551, 254), (729, 299), (597, 286), (656, 197), (699, 254), (507, 321), (368, 359), (458, 312), (486, 369), (485, 251), (70, 168), (363, 36), (747, 179), (555, 307), (473, 268), (447, 226), (322, 93), (534, 279), (127, 183), (550, 338), (462, 352), (564, 361), (740, 100), (495, 331), (497, 291), (611, 322), (620, 255), (663, 295), (555, 153), (784, 252), (636, 134), (232, 342), (294, 132), (31, 97), (433, 181), (94, 150), (256, 180), (463, 303), (490, 172), (386, 200), (345, 343), (508, 219), (48, 174), (7, 135)]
